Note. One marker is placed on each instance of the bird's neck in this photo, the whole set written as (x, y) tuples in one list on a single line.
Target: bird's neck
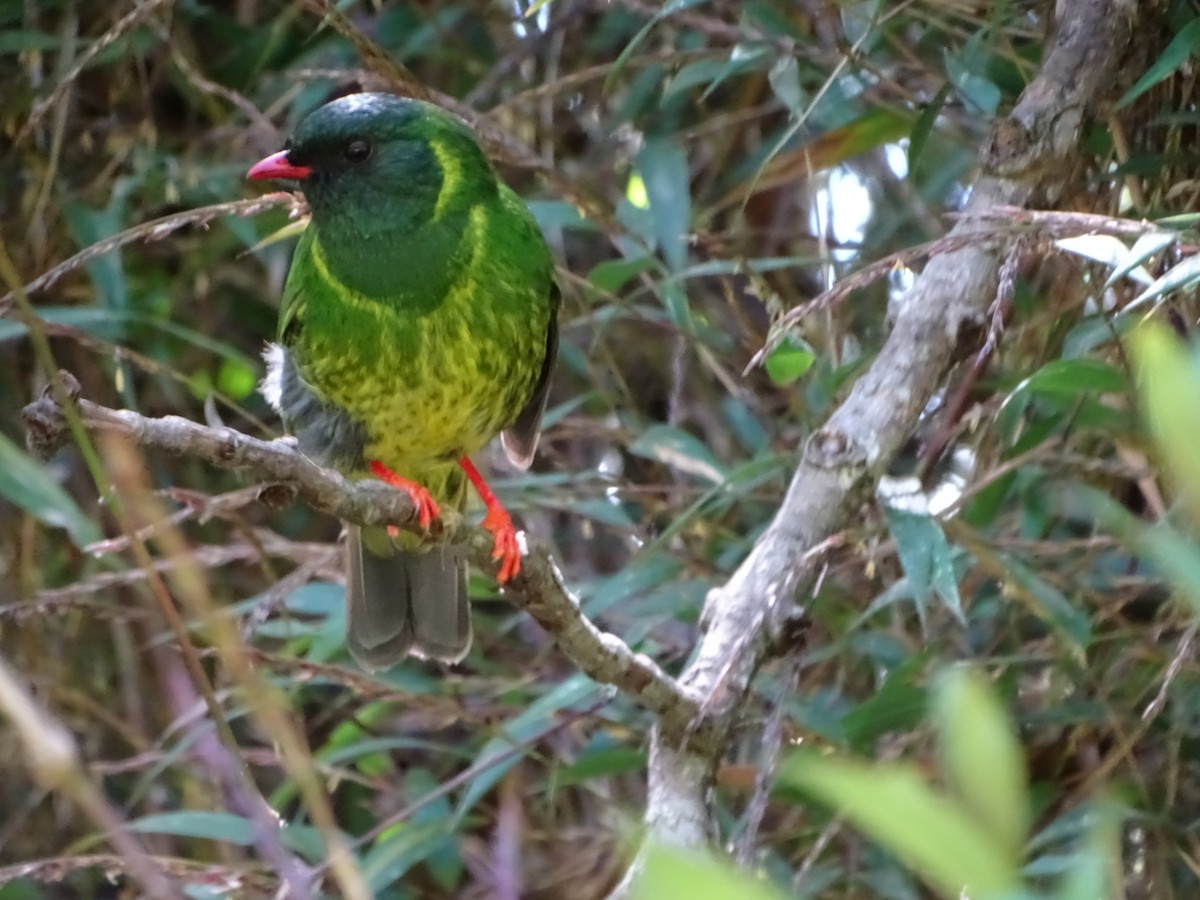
[(399, 262)]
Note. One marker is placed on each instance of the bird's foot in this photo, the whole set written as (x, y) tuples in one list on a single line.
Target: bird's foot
[(426, 506), (505, 546)]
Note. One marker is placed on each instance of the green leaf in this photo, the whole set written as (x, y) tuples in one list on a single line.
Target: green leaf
[(940, 840), (212, 826), (19, 41), (680, 450), (405, 846), (1179, 51), (714, 70), (1168, 376), (1174, 553), (536, 718), (1071, 377), (923, 127), (981, 756), (927, 558), (670, 872), (612, 274), (784, 78), (789, 361), (900, 704), (1092, 864), (104, 323), (1051, 604), (31, 487), (663, 165), (602, 763), (976, 89)]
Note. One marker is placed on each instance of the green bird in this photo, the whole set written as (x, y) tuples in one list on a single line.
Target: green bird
[(418, 321)]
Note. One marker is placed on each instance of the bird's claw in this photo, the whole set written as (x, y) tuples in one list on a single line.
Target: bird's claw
[(505, 548), (426, 507)]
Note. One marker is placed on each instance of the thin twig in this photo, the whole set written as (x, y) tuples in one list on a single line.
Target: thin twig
[(538, 589)]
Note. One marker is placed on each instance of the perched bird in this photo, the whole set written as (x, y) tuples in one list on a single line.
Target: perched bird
[(418, 321)]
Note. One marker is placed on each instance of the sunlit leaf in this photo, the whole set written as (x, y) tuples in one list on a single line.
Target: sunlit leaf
[(1184, 275), (1168, 375), (1146, 246), (669, 872), (894, 806), (981, 756), (1106, 249), (680, 450), (789, 361)]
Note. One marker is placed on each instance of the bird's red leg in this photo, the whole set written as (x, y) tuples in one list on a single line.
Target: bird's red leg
[(427, 508), (505, 547)]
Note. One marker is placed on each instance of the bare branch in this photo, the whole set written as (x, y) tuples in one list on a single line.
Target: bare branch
[(538, 589), (843, 460)]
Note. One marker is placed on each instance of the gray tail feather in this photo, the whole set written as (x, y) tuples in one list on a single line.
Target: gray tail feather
[(404, 601)]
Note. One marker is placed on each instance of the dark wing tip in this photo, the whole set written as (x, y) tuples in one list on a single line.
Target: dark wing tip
[(519, 448)]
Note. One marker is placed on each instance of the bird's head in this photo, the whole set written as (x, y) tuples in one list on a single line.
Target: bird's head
[(371, 163)]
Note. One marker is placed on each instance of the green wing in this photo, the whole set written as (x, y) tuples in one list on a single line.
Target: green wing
[(291, 306), (521, 438)]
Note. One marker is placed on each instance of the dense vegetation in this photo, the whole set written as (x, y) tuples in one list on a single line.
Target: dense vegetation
[(700, 169)]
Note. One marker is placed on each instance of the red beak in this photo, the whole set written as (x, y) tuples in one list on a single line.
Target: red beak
[(277, 166)]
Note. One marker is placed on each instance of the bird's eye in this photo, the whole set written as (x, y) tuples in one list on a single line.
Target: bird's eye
[(357, 151)]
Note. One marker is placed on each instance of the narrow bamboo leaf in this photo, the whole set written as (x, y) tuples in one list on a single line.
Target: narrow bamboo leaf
[(1144, 247), (923, 127), (1184, 275), (981, 756), (1106, 249), (612, 274), (389, 859), (784, 78), (31, 487), (927, 558), (536, 718), (941, 841), (663, 165), (680, 450), (1051, 603), (210, 825), (1070, 377), (20, 41), (1179, 51)]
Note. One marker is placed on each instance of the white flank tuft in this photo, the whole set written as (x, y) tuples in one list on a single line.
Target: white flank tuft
[(271, 386)]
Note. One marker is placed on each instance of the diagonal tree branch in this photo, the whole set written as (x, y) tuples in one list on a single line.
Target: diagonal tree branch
[(841, 463), (538, 589)]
